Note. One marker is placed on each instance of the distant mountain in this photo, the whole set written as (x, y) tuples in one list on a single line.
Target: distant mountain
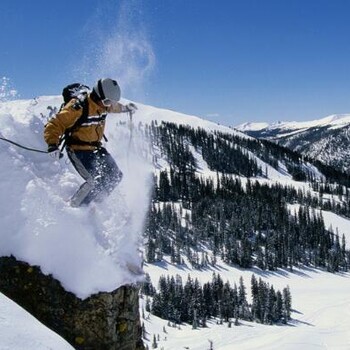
[(325, 139)]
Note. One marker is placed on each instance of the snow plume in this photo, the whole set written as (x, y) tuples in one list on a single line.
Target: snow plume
[(131, 150), (88, 249), (118, 48), (7, 92)]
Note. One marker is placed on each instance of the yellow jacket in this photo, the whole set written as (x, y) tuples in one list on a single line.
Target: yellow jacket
[(90, 131)]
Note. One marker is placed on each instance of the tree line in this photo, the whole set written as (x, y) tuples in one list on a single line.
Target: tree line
[(244, 225), (195, 304), (232, 154)]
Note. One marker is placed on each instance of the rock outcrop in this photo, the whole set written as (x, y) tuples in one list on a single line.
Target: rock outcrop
[(104, 321)]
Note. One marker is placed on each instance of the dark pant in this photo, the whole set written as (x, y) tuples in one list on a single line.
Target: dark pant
[(100, 172)]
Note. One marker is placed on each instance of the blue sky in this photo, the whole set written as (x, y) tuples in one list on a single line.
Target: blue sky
[(230, 61)]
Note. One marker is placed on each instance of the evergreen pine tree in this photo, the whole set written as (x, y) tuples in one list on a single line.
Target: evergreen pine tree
[(287, 304), (154, 343)]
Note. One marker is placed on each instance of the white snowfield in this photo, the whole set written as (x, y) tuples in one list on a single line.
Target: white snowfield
[(21, 331), (87, 248), (321, 316)]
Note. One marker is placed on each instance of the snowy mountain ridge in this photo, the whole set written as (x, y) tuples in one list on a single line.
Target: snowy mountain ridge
[(325, 139), (331, 121)]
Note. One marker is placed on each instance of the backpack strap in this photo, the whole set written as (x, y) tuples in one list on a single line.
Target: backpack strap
[(66, 137), (84, 115)]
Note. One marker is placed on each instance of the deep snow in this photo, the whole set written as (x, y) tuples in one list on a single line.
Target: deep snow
[(86, 249)]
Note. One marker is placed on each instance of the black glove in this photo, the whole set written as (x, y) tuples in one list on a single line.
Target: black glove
[(131, 107), (52, 148), (54, 152)]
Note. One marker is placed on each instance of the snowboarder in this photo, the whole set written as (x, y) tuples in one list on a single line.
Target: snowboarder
[(83, 140)]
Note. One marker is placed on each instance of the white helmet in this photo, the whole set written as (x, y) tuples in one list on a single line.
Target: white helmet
[(107, 90)]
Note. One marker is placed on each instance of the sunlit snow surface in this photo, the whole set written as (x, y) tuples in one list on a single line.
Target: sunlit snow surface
[(320, 317), (21, 331)]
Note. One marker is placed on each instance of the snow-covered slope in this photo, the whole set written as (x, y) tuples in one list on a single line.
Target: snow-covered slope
[(147, 114), (321, 304), (23, 109), (38, 226), (21, 331)]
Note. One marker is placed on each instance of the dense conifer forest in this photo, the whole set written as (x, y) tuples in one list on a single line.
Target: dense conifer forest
[(195, 304), (234, 217)]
